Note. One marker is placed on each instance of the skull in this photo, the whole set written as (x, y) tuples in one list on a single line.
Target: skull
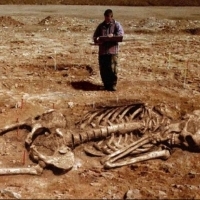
[(190, 134)]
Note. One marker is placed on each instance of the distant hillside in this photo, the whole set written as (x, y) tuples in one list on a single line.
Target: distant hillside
[(108, 2)]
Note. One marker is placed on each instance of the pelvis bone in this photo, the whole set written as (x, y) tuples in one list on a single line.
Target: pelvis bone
[(121, 135)]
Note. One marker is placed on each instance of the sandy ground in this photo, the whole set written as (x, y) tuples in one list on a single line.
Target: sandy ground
[(101, 2), (48, 61)]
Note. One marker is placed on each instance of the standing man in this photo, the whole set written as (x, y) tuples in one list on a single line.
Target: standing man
[(108, 50)]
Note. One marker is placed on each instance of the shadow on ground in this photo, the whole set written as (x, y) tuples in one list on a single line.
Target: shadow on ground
[(86, 86)]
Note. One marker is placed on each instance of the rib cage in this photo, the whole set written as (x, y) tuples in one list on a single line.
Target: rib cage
[(114, 143), (112, 115), (152, 118), (101, 124)]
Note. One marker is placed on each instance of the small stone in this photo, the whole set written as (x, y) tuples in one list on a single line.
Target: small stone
[(71, 104), (95, 184), (133, 194), (162, 194), (191, 175), (2, 110), (11, 194)]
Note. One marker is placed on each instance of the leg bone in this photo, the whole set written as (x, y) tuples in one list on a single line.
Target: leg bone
[(152, 155), (126, 150), (36, 170)]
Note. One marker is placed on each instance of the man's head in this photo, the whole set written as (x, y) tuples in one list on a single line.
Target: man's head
[(108, 14)]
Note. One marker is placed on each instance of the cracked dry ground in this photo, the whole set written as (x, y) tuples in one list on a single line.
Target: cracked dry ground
[(47, 61)]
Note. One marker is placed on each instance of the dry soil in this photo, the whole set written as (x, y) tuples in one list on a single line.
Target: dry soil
[(47, 60)]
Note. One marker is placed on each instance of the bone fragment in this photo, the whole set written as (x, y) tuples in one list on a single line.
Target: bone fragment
[(93, 152), (11, 127), (34, 131), (27, 122)]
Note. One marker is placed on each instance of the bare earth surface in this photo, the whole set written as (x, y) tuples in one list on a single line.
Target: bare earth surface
[(47, 60)]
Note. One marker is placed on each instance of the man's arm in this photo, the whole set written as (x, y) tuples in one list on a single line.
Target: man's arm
[(119, 29), (96, 34)]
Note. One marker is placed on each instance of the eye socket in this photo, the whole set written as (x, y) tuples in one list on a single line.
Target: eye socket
[(181, 138), (192, 144), (190, 140)]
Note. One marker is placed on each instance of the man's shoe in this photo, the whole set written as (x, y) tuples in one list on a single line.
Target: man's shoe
[(102, 88), (112, 88)]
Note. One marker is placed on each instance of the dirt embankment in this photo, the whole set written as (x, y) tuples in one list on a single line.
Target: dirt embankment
[(108, 2)]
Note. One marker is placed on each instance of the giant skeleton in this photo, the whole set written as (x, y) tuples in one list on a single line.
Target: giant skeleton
[(121, 135)]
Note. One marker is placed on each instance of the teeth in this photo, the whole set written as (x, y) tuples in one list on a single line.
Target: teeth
[(173, 139), (170, 142)]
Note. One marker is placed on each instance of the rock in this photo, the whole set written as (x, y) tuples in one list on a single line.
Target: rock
[(11, 194), (162, 194), (77, 164), (71, 104), (133, 194), (95, 184)]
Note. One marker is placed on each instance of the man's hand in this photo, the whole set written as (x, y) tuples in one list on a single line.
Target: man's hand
[(110, 35)]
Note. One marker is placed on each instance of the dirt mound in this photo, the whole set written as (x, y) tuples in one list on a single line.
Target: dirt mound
[(65, 23), (152, 25), (9, 21), (51, 20)]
